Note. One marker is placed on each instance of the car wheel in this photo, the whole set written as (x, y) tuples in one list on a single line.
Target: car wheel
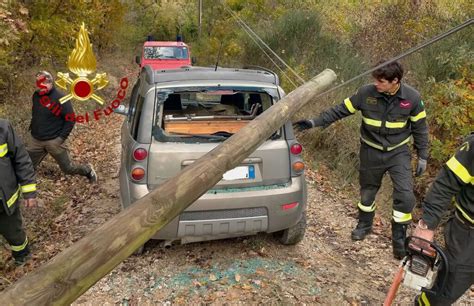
[(139, 251), (294, 234)]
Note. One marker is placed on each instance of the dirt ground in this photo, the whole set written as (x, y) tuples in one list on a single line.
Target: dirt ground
[(325, 268)]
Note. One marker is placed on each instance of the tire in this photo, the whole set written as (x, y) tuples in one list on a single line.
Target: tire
[(139, 251), (294, 234)]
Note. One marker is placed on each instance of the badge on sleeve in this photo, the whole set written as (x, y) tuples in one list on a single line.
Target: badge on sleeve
[(405, 104)]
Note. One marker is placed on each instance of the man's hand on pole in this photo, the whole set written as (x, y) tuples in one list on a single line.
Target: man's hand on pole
[(303, 125), (307, 124)]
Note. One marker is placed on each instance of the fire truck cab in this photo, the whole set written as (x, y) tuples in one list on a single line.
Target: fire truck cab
[(162, 55)]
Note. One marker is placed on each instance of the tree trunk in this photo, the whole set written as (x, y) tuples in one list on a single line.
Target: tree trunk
[(72, 272)]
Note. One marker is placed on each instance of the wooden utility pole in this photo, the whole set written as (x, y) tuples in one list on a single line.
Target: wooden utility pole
[(76, 269)]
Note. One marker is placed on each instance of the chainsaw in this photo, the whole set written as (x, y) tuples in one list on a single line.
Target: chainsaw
[(419, 269)]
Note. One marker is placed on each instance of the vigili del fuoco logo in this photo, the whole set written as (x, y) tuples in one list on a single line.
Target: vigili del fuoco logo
[(82, 63)]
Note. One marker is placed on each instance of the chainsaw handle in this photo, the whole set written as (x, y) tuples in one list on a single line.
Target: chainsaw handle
[(424, 252), (420, 245)]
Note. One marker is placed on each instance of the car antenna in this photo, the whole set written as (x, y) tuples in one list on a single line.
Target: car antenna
[(218, 56)]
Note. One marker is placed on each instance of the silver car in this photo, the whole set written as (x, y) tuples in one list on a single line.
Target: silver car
[(176, 116)]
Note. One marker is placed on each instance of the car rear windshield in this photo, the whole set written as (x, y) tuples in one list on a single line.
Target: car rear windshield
[(165, 53), (207, 114)]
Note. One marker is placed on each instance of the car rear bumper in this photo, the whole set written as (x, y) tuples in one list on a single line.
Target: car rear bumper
[(232, 212)]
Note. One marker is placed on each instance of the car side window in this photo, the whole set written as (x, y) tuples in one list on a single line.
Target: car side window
[(136, 117), (133, 101)]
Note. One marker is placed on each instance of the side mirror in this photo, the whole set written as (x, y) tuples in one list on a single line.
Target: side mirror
[(121, 109), (138, 59), (193, 61)]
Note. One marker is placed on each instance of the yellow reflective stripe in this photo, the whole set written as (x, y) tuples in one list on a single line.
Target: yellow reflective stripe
[(348, 104), (3, 149), (372, 144), (400, 144), (379, 147), (465, 215), (424, 299), (364, 208), (28, 188), (400, 217), (395, 125), (460, 170), (372, 122), (13, 198), (18, 248), (420, 115)]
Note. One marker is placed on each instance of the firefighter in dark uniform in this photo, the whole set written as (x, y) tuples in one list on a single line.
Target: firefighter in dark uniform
[(392, 113), (17, 177), (456, 179)]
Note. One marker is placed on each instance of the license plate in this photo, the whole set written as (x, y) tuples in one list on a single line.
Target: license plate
[(240, 173)]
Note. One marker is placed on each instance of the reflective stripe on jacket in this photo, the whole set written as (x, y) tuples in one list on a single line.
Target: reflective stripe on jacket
[(388, 122), (17, 175), (456, 179)]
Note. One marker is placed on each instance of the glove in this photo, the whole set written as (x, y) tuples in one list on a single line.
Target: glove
[(303, 125), (421, 166), (307, 124)]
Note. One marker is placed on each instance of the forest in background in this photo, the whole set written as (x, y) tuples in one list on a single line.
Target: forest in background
[(346, 36)]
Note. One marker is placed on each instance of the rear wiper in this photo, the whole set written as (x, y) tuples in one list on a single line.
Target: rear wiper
[(223, 134), (205, 136)]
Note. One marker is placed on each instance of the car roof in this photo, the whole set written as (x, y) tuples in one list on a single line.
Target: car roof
[(164, 44), (208, 73)]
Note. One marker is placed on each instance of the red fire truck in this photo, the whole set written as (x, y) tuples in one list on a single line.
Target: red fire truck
[(161, 55)]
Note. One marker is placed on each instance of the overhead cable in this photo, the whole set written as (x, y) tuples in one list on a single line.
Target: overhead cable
[(249, 31), (244, 25), (404, 54), (271, 59)]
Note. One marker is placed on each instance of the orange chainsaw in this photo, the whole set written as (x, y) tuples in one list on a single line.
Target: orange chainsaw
[(419, 269)]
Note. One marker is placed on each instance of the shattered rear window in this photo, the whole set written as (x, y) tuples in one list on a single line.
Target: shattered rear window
[(208, 114)]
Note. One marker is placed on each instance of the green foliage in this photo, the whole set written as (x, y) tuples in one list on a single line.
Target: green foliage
[(54, 27), (451, 104), (12, 26), (43, 32), (297, 36)]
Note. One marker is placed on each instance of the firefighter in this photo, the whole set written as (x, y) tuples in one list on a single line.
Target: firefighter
[(16, 177), (456, 179), (392, 113)]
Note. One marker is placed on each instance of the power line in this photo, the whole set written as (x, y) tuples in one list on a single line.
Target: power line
[(249, 31), (271, 59), (404, 54), (245, 26)]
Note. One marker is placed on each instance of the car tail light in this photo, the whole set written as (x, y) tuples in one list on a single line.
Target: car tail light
[(298, 166), (289, 206), (138, 173), (296, 148), (140, 154)]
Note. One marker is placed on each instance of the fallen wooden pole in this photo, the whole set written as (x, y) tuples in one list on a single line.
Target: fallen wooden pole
[(76, 269)]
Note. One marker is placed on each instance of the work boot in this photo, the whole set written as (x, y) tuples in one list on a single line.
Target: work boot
[(399, 234), (21, 260), (21, 257), (364, 226)]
